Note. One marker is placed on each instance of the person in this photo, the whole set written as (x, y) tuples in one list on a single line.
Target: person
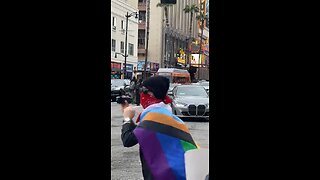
[(132, 89), (163, 137), (137, 92)]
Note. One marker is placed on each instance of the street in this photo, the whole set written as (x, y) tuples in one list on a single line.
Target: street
[(125, 162)]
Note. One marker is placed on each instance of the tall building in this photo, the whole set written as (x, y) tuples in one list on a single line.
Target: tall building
[(177, 35), (169, 45), (164, 42), (119, 9), (203, 60), (154, 43)]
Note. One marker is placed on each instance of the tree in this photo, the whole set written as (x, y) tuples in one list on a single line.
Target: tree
[(201, 17), (165, 8), (192, 9)]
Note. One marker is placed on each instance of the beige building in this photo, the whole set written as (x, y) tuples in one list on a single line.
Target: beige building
[(119, 9), (164, 42)]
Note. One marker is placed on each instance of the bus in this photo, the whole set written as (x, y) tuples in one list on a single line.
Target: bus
[(176, 76)]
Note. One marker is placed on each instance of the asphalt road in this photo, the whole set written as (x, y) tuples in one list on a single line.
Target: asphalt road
[(125, 162)]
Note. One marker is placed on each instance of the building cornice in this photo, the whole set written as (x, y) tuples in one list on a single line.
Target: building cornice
[(127, 7)]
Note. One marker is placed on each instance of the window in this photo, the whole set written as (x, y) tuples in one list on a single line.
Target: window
[(122, 24), (114, 23), (142, 16), (141, 38), (113, 45), (130, 49), (122, 47)]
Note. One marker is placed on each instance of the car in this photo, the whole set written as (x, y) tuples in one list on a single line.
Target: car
[(190, 101), (116, 85), (205, 84)]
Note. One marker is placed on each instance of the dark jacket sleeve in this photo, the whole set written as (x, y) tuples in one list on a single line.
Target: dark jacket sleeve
[(127, 136)]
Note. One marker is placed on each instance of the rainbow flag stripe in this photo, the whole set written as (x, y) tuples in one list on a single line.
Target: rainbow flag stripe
[(159, 134)]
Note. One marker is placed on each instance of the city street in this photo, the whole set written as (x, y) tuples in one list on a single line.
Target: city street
[(125, 162)]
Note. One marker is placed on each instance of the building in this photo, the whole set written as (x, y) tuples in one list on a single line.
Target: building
[(169, 45), (119, 9), (176, 36), (203, 60), (154, 43), (164, 42)]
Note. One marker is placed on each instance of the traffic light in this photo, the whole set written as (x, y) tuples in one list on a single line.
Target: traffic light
[(168, 1), (178, 54)]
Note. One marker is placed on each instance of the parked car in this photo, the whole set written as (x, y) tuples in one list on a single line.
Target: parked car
[(116, 85), (190, 101)]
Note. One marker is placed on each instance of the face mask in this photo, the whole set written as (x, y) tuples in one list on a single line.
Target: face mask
[(147, 100)]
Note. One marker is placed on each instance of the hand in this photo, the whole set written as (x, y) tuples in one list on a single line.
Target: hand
[(128, 111)]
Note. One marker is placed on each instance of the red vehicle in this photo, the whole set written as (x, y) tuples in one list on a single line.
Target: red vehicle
[(176, 76)]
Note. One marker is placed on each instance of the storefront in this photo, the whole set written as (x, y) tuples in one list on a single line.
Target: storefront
[(129, 70), (115, 70), (152, 68)]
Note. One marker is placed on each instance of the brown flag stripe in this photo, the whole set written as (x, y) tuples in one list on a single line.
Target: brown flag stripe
[(168, 130), (164, 119)]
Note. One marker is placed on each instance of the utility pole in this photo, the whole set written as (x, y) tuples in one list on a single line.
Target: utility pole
[(147, 40), (126, 43), (125, 51)]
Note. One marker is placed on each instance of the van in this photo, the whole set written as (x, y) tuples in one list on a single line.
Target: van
[(176, 76)]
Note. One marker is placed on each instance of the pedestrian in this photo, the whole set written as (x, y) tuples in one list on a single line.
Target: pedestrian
[(163, 137), (137, 92), (132, 89)]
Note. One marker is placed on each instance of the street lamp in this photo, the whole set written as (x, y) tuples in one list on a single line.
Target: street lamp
[(126, 44)]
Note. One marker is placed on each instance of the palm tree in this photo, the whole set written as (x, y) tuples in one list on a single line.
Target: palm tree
[(191, 9), (201, 17), (165, 8)]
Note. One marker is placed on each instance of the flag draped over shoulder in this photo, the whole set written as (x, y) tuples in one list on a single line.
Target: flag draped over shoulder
[(163, 139)]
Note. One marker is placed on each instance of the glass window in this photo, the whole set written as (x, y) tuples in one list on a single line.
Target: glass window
[(180, 80), (130, 49), (142, 16), (122, 47), (191, 91), (122, 26), (141, 38), (114, 21), (113, 45)]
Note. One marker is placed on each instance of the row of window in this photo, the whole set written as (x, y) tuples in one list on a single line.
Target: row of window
[(114, 23), (142, 17), (130, 47)]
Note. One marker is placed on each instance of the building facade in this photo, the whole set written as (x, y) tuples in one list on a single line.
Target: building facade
[(168, 46), (202, 62), (119, 9), (164, 42), (154, 43), (177, 35)]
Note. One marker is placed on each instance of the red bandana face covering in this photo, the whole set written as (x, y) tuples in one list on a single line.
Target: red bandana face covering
[(146, 100)]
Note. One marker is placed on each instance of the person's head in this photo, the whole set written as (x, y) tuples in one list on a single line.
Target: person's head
[(157, 86)]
